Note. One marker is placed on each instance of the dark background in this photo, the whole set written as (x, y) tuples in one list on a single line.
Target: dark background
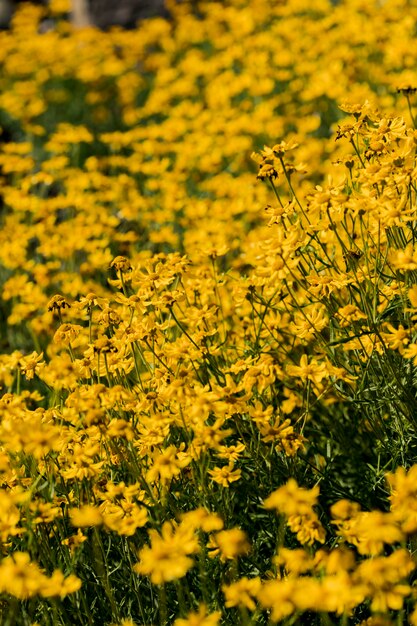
[(101, 13)]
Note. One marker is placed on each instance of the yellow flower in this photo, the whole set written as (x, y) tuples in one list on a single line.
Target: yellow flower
[(121, 264), (307, 527), (168, 557), (368, 531), (277, 596), (86, 515), (225, 475), (58, 585), (231, 453), (59, 6), (57, 303), (396, 338), (242, 593), (296, 561), (348, 314), (383, 578), (75, 541), (291, 499), (83, 465), (403, 498), (22, 578), (374, 529), (405, 259), (125, 517), (167, 465), (31, 364), (33, 432), (66, 333), (229, 544), (335, 560), (313, 371), (200, 618), (201, 518), (331, 594), (410, 352), (344, 509), (9, 516), (310, 321), (412, 618)]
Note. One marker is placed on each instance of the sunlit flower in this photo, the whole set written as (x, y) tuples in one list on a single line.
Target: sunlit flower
[(225, 475)]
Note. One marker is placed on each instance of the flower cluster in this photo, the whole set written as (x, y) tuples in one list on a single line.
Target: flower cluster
[(207, 372)]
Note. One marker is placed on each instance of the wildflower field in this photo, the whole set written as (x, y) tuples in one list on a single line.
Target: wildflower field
[(208, 316)]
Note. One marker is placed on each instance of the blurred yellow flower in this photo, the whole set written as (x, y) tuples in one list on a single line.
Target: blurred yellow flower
[(169, 555), (229, 544), (200, 618), (87, 515)]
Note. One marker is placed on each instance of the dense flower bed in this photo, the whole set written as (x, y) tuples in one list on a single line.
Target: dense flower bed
[(208, 267)]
